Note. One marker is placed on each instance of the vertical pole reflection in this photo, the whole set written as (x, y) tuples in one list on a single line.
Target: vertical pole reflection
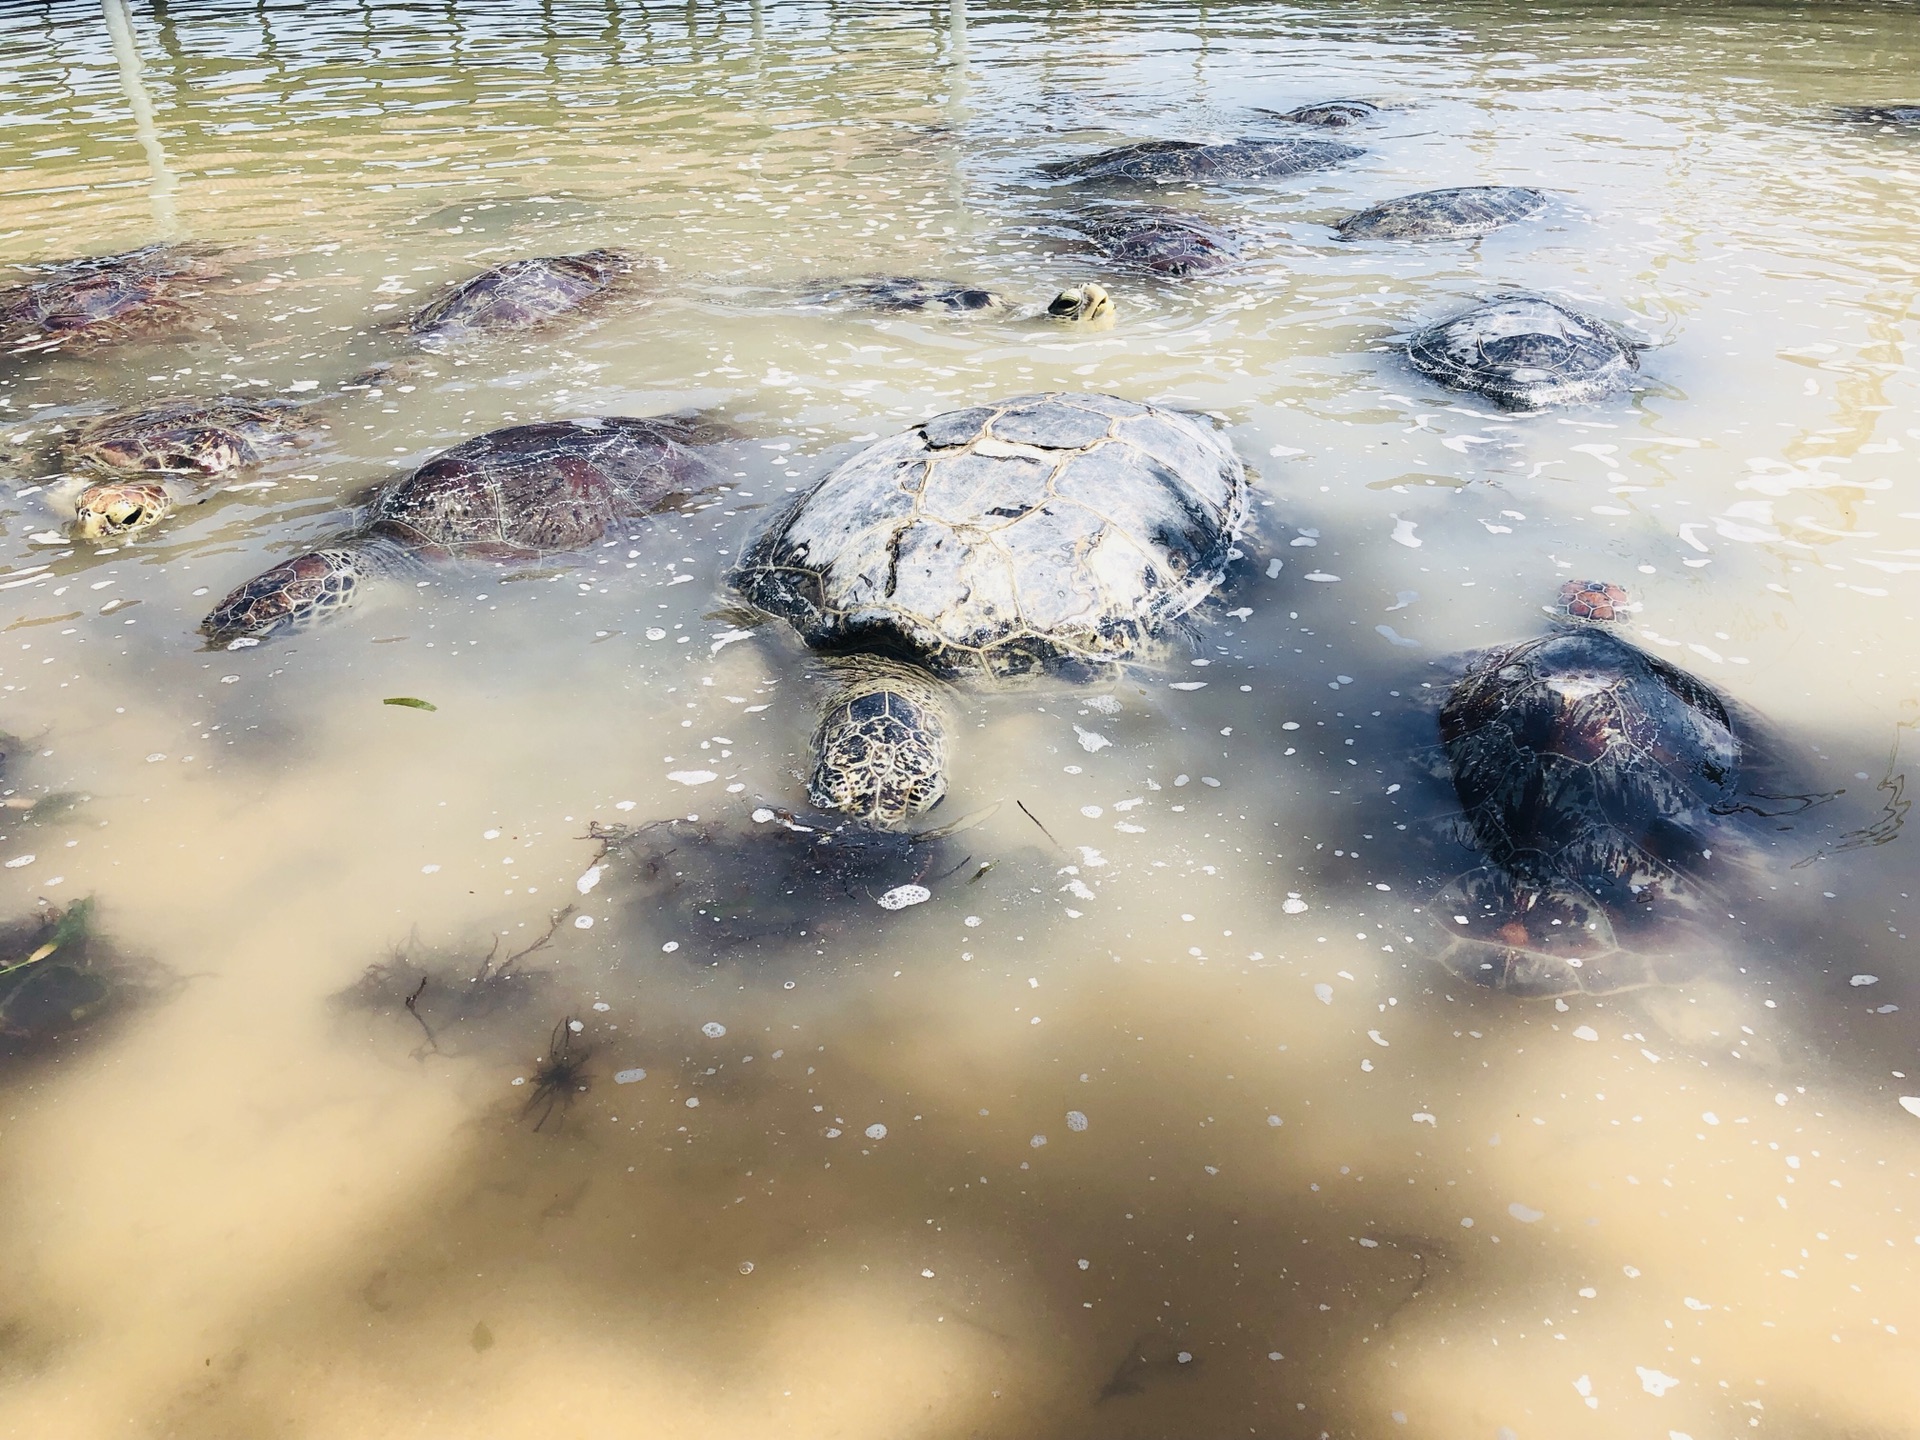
[(956, 100), (160, 190)]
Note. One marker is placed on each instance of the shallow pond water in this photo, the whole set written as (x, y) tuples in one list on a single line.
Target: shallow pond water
[(1160, 1115)]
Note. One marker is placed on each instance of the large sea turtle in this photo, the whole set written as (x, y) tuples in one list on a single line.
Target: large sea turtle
[(144, 460), (523, 295), (138, 294), (1169, 161), (1526, 352), (508, 495), (1154, 240), (1598, 781), (1056, 533), (1462, 213)]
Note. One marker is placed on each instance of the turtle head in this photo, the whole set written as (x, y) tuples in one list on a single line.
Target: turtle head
[(880, 754), (114, 508), (292, 595), (1087, 304), (1596, 601)]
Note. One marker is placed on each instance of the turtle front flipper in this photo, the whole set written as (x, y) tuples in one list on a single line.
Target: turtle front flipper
[(880, 754), (297, 593)]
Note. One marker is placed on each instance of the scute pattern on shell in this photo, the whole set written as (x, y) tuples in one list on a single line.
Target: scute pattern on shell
[(101, 299), (1055, 532), (522, 295), (207, 437), (1152, 240), (906, 294), (1525, 352), (541, 489), (1329, 114), (1172, 160), (1579, 756), (1462, 213)]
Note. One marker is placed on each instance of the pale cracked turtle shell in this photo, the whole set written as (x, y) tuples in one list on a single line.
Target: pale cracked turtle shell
[(1055, 532)]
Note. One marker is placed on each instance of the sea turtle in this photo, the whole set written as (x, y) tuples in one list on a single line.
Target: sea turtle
[(508, 495), (1526, 352), (101, 299), (522, 295), (154, 455), (908, 294), (1056, 533), (1598, 781), (1167, 161), (1329, 114), (1462, 213), (1898, 113), (1153, 240)]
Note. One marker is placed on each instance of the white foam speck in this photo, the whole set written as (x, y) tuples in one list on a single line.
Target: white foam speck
[(1864, 980), (762, 815), (691, 777), (1273, 569), (1422, 1117), (583, 922), (876, 1132), (1584, 1032), (901, 896), (1076, 1121), (1653, 1382), (1324, 993), (1091, 741), (1293, 904), (589, 878), (713, 1029), (1910, 1104), (1037, 1141), (1525, 1214), (1275, 1121), (429, 869), (1322, 576)]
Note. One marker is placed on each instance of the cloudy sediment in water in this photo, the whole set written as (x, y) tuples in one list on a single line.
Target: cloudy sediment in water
[(1139, 1104)]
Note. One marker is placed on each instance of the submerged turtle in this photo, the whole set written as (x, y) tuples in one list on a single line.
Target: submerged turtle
[(1898, 113), (1463, 213), (1526, 352), (1151, 240), (907, 294), (138, 294), (1330, 114), (1165, 161), (522, 295), (1598, 781), (1055, 534), (159, 454), (509, 495)]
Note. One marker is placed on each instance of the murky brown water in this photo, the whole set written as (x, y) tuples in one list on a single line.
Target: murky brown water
[(1186, 1133)]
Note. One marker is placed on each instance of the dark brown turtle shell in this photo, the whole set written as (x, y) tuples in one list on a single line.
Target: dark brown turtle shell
[(540, 489), (1577, 756), (523, 295), (211, 436), (139, 294), (1151, 240), (1167, 161)]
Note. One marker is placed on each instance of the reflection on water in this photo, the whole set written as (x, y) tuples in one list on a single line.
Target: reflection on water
[(1161, 1114)]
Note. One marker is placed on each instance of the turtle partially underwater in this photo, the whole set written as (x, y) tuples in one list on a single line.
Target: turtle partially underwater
[(1169, 161), (1526, 352), (1464, 212), (1898, 113), (509, 495), (523, 295), (1328, 114), (153, 456), (1153, 240), (1599, 782), (1046, 534), (908, 295), (102, 299)]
